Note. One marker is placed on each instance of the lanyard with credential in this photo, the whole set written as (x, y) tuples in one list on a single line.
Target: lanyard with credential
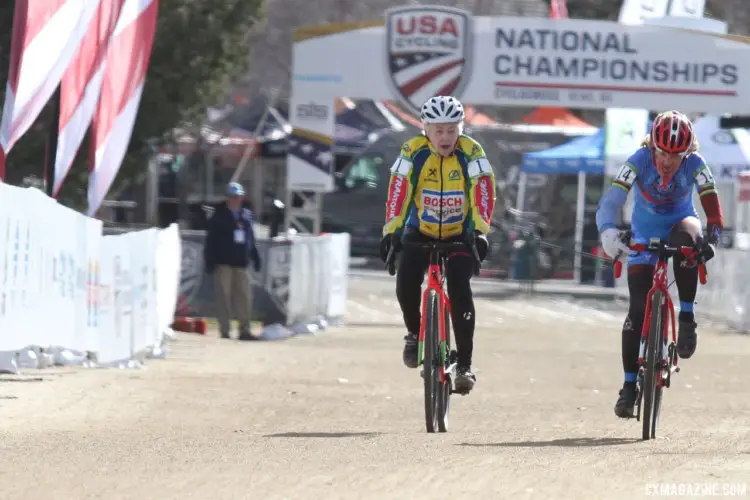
[(239, 231)]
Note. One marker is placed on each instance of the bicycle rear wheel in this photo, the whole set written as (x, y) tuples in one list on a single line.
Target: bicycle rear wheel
[(651, 387), (431, 363), (444, 401)]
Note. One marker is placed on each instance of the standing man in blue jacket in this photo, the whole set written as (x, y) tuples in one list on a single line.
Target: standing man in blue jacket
[(229, 249)]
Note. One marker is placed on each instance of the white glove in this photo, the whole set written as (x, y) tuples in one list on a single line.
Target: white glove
[(612, 242)]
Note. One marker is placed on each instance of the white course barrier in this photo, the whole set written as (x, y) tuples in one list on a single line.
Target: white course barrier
[(301, 287), (318, 268), (69, 295), (726, 295)]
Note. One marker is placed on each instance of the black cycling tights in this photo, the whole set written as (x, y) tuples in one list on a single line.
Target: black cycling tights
[(458, 272), (640, 278)]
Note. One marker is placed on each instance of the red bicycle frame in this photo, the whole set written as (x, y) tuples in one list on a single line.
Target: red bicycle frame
[(439, 253), (660, 284), (435, 281)]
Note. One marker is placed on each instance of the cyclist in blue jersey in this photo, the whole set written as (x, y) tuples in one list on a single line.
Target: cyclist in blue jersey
[(664, 172)]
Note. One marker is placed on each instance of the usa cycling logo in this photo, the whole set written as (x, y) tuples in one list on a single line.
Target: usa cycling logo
[(428, 52)]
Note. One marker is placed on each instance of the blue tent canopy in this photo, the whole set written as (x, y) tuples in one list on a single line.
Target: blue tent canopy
[(582, 154)]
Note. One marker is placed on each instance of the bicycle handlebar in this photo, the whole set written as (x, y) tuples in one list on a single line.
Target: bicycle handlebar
[(664, 251), (434, 246)]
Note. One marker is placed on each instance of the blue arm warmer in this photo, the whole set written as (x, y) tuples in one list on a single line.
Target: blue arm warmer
[(610, 204)]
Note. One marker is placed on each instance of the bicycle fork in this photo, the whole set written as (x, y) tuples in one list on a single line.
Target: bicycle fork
[(420, 339), (666, 368), (444, 308)]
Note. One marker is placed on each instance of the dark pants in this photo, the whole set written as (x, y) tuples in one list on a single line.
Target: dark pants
[(459, 267), (687, 232)]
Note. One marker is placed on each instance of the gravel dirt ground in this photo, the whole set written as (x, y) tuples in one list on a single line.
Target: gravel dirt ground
[(336, 415)]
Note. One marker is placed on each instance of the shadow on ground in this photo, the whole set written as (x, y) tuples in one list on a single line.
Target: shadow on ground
[(4, 379), (563, 443), (374, 324), (322, 434)]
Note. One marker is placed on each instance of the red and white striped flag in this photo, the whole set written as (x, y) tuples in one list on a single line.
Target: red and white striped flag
[(79, 91), (124, 76), (558, 9), (46, 35)]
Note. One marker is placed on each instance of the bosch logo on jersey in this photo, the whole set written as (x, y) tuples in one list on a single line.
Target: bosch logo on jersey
[(445, 208), (445, 201), (396, 197)]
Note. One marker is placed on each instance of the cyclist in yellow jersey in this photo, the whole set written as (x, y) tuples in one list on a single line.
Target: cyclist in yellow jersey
[(441, 187)]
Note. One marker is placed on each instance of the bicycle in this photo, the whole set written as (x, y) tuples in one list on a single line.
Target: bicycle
[(434, 352), (657, 361)]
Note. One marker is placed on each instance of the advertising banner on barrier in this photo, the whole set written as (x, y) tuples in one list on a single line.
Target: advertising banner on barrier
[(301, 279), (93, 281), (66, 288), (270, 286), (109, 351)]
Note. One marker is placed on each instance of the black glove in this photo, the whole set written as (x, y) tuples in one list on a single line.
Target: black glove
[(480, 242), (483, 246), (388, 241), (708, 251)]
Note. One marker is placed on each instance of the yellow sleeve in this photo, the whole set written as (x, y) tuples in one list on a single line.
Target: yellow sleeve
[(482, 187), (400, 190)]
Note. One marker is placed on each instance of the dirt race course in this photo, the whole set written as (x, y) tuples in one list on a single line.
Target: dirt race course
[(338, 416)]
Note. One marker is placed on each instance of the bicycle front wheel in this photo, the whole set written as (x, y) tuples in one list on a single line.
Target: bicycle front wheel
[(431, 363), (651, 386), (444, 400)]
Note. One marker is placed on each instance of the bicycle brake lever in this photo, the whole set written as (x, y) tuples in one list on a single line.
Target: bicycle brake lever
[(626, 236)]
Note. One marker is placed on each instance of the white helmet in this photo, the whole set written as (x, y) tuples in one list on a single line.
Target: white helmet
[(442, 109)]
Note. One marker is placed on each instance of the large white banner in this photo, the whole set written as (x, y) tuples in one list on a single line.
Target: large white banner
[(527, 62), (505, 61)]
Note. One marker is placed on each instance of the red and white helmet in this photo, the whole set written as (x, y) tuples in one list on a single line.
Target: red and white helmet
[(672, 132)]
